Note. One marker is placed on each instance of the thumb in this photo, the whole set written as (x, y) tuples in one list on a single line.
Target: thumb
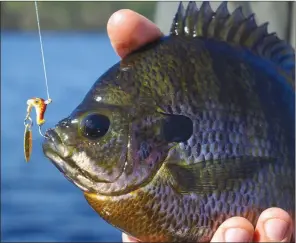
[(274, 225), (129, 30), (235, 229)]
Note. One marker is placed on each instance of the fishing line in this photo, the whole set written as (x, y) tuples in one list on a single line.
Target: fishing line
[(41, 47)]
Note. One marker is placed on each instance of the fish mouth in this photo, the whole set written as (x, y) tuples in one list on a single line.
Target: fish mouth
[(59, 155), (52, 148)]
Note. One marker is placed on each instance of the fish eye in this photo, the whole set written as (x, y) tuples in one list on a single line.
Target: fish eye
[(95, 126)]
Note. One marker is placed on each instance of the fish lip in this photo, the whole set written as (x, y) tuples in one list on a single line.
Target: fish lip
[(61, 165), (51, 151), (54, 142)]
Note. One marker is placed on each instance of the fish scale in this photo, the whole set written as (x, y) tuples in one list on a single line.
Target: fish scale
[(202, 128)]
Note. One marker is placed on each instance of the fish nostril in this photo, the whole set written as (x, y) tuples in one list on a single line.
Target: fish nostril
[(64, 123)]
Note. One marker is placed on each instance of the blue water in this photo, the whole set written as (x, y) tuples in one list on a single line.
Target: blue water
[(38, 203)]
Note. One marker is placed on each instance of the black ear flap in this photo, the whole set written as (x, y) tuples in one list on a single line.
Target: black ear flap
[(176, 128)]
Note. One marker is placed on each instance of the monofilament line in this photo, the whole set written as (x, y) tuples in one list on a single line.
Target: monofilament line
[(41, 46)]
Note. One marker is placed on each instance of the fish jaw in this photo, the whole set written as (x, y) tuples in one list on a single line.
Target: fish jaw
[(54, 149), (60, 155)]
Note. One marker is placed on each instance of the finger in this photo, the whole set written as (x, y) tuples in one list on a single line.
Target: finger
[(126, 238), (235, 229), (129, 30), (274, 225)]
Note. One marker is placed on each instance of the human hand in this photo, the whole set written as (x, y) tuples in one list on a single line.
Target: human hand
[(128, 31), (274, 225)]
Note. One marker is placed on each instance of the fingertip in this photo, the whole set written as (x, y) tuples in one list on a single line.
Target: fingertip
[(275, 212), (118, 19), (274, 224), (129, 30), (235, 229)]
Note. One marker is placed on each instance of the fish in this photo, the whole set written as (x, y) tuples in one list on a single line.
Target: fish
[(187, 131)]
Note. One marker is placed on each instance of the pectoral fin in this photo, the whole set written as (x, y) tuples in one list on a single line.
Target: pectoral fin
[(207, 177)]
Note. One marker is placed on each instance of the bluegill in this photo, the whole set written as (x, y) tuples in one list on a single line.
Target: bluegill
[(187, 131)]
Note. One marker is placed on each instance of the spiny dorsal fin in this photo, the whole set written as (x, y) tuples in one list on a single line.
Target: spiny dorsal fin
[(234, 28)]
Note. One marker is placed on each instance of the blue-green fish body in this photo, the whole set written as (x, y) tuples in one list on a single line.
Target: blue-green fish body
[(188, 131)]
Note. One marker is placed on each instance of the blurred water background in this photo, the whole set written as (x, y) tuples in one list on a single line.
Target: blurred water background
[(37, 203)]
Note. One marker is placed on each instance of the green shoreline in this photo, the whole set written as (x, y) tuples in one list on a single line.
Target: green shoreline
[(89, 16)]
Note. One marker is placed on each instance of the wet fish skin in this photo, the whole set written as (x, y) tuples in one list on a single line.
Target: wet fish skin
[(239, 158)]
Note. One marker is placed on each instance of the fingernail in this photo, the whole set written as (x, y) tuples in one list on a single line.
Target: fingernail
[(116, 18), (237, 235), (276, 229)]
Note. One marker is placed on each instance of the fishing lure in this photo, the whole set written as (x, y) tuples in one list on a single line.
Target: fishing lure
[(28, 141), (40, 106)]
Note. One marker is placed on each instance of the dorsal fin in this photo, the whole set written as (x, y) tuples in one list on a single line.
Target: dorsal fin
[(234, 28)]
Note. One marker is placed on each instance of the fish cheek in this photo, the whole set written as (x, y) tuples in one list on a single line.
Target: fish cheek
[(142, 154), (103, 161), (103, 158), (147, 147)]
